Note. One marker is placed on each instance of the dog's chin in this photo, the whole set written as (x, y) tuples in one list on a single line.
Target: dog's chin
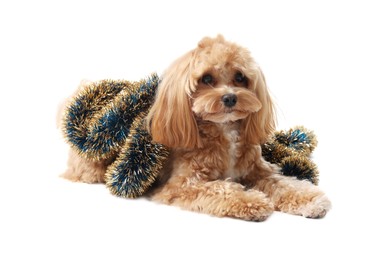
[(224, 117)]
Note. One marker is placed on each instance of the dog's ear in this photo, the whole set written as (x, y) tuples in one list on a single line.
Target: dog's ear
[(258, 127), (171, 121)]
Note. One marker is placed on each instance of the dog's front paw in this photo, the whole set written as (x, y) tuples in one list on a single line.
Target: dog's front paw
[(316, 208), (252, 207)]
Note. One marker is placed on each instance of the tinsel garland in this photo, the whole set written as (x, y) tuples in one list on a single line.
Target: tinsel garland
[(106, 120), (98, 119), (138, 163), (291, 150)]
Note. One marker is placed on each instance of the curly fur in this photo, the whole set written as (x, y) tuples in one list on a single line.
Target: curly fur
[(213, 110)]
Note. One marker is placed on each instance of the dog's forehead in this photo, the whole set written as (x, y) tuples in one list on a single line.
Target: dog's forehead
[(222, 56)]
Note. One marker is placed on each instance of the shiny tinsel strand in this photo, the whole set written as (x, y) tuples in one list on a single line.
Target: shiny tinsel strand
[(98, 126), (291, 151), (300, 167), (138, 163), (81, 109), (298, 138)]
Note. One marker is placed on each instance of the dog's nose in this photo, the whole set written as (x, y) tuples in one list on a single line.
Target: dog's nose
[(229, 100)]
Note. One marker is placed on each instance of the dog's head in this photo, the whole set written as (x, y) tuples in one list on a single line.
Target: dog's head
[(219, 82)]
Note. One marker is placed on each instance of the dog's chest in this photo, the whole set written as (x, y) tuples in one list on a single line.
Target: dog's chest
[(225, 154), (231, 171)]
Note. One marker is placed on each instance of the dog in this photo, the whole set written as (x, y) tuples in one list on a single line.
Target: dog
[(213, 110)]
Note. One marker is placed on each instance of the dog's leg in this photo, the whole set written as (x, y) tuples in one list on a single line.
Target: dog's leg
[(294, 196), (83, 170), (219, 198)]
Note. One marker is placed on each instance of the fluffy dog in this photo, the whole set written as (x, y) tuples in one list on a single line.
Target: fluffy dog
[(213, 110)]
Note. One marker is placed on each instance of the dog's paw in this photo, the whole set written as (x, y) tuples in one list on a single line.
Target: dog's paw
[(316, 208), (257, 211), (251, 208)]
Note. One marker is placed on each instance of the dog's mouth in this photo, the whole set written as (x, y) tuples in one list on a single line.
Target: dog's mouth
[(233, 110), (225, 116), (238, 113)]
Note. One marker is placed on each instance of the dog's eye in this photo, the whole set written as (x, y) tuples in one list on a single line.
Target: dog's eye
[(207, 79), (240, 78)]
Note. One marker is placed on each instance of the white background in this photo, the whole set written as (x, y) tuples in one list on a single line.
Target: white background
[(327, 64)]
